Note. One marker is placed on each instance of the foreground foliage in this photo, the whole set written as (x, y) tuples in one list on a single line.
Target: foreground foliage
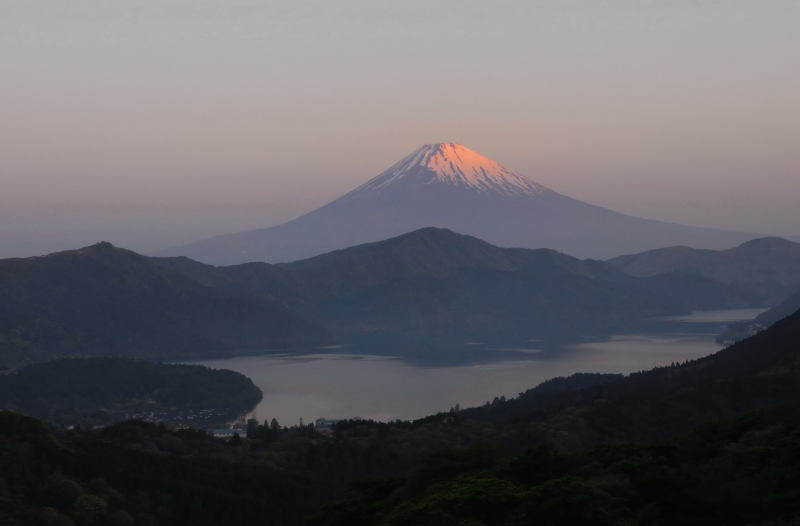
[(742, 472), (49, 477)]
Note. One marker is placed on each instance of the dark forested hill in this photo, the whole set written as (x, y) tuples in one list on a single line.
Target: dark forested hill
[(744, 471), (79, 478), (102, 300), (100, 391), (768, 268), (416, 294), (434, 285)]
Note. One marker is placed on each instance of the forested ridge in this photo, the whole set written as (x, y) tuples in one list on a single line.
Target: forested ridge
[(106, 301)]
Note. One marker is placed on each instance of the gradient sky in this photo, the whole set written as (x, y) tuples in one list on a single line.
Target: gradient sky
[(157, 122)]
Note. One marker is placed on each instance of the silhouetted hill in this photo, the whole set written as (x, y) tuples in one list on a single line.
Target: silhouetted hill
[(434, 286), (742, 471), (768, 268), (100, 391), (102, 300), (138, 473), (424, 294)]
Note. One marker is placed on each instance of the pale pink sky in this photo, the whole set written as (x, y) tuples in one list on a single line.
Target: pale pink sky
[(158, 122)]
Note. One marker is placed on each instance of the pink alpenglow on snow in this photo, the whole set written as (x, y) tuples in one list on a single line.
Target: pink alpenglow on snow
[(456, 165)]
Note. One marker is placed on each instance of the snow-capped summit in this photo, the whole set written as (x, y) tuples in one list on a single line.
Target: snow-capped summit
[(456, 165), (450, 186)]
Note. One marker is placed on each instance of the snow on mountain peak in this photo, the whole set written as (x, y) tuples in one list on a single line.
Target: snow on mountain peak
[(456, 165)]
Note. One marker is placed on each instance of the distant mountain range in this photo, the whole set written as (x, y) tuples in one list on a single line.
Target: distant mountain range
[(421, 294), (451, 186), (768, 268)]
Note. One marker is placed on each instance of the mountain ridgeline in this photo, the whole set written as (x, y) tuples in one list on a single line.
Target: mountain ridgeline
[(433, 288), (766, 268), (427, 290), (102, 300), (450, 186)]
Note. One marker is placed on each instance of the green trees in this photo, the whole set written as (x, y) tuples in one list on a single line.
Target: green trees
[(745, 471), (123, 477)]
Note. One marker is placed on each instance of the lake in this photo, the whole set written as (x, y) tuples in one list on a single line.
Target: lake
[(343, 385)]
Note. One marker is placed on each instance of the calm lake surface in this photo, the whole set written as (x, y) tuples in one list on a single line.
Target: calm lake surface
[(384, 388)]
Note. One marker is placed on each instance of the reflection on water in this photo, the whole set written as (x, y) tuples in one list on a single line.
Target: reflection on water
[(717, 316), (384, 388)]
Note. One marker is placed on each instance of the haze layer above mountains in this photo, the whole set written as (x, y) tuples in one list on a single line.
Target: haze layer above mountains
[(450, 186)]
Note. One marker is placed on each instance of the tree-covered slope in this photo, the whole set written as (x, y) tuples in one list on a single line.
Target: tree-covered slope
[(100, 391), (101, 300), (745, 471), (742, 471), (437, 286), (88, 478)]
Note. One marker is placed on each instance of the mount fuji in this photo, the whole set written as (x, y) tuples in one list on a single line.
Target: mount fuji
[(450, 186)]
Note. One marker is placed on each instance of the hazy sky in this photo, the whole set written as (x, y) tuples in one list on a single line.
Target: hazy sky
[(156, 122)]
